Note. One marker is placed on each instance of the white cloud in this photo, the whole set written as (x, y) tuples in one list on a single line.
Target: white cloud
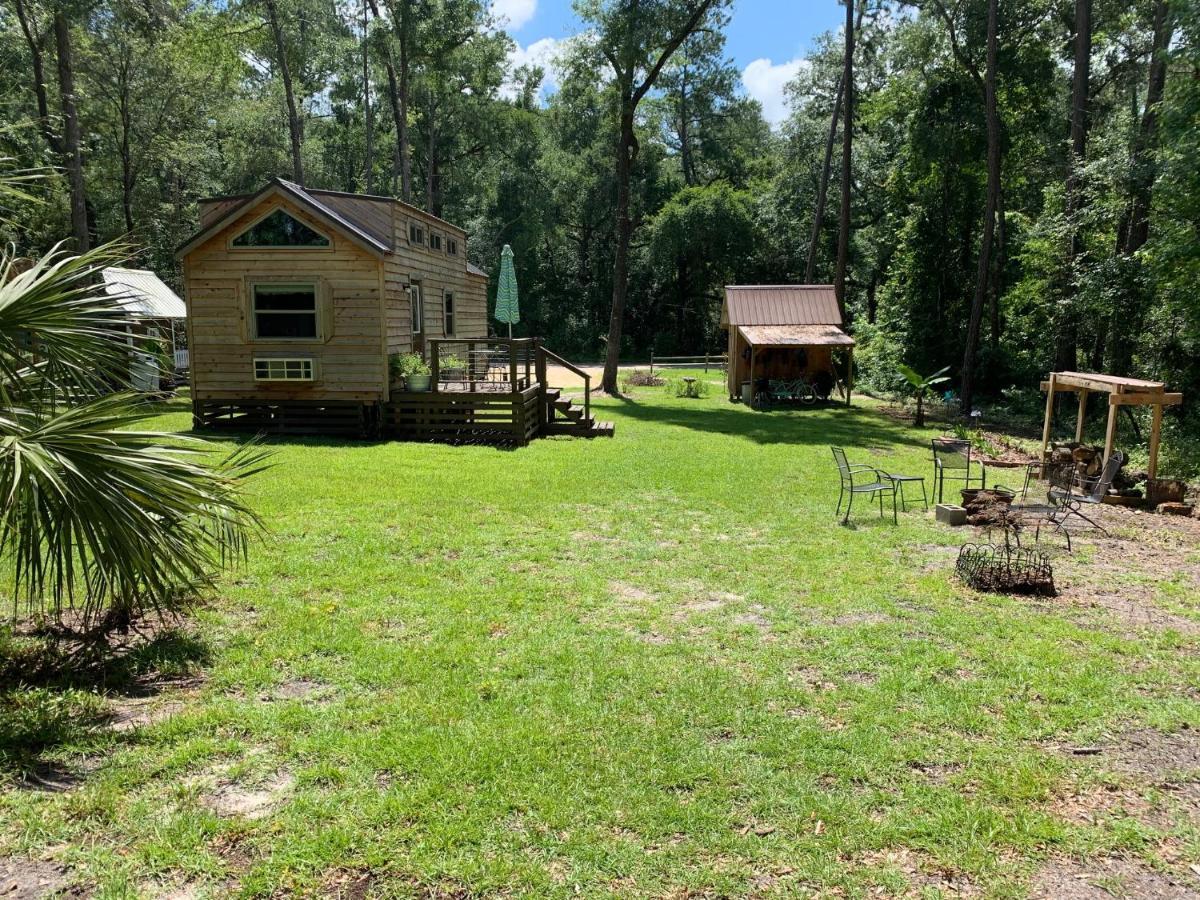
[(515, 13), (765, 82), (540, 53)]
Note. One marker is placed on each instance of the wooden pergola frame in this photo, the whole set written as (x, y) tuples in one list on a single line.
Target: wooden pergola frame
[(1121, 392)]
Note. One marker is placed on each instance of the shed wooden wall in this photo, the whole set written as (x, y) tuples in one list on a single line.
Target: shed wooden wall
[(773, 362), (351, 362)]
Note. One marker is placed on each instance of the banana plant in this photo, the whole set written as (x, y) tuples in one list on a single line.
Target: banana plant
[(921, 385)]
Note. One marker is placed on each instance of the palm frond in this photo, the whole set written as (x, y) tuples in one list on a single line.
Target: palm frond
[(57, 322), (97, 515)]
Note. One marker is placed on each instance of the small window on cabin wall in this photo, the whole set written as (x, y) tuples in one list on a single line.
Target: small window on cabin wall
[(452, 246), (435, 241), (285, 311), (416, 234), (272, 369), (418, 308), (280, 230), (448, 313)]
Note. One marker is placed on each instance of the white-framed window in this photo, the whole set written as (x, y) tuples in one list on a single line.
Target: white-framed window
[(270, 368), (416, 234), (418, 307), (285, 311), (435, 241), (448, 313), (452, 246)]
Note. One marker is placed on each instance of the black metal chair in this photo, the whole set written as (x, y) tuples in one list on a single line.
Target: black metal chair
[(952, 460), (1091, 491), (879, 485)]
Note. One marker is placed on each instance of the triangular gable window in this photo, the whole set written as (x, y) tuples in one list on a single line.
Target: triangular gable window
[(280, 230)]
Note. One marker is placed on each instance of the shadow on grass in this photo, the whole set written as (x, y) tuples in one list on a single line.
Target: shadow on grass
[(851, 427), (55, 692)]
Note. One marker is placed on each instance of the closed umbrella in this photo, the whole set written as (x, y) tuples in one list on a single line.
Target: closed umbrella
[(507, 310)]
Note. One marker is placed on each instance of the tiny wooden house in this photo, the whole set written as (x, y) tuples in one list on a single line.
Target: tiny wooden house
[(297, 297), (784, 333)]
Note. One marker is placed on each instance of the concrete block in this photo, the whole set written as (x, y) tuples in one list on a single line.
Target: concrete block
[(949, 514)]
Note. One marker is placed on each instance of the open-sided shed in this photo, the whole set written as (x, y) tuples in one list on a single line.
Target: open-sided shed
[(1121, 392), (785, 332)]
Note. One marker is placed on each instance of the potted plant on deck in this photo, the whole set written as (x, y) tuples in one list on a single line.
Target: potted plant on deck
[(411, 369), (452, 368)]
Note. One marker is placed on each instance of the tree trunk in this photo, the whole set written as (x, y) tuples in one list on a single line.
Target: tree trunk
[(431, 154), (72, 151), (823, 188), (1127, 317), (989, 213), (1138, 229), (285, 74), (685, 138), (1068, 331), (624, 233), (843, 252), (368, 112), (402, 106), (34, 40)]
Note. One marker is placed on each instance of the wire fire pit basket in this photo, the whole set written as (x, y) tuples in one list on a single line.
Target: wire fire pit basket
[(1005, 570)]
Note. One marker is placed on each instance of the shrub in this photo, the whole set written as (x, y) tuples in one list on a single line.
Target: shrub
[(693, 388), (638, 378)]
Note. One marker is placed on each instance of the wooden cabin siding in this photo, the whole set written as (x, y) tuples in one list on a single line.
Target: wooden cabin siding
[(350, 362), (437, 271)]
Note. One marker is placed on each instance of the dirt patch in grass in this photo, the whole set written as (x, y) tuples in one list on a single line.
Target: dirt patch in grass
[(923, 873), (57, 777), (629, 593), (132, 713), (351, 884), (297, 689), (33, 879), (860, 618), (1149, 754), (249, 800), (1104, 878)]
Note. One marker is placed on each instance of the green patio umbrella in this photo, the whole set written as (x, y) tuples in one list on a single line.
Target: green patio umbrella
[(507, 310)]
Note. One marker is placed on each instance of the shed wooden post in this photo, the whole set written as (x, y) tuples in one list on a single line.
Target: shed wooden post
[(1110, 433), (1083, 398), (1046, 424), (753, 356), (1155, 428), (849, 373)]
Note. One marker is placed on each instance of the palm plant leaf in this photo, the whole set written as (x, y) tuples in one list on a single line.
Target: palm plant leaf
[(97, 514), (57, 331)]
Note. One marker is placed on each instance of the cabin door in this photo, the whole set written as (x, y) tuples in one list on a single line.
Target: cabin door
[(416, 301)]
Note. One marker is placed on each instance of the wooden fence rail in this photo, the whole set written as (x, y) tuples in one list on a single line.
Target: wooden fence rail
[(719, 361)]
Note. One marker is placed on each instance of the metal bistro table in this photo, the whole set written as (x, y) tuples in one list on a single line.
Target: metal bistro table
[(898, 482)]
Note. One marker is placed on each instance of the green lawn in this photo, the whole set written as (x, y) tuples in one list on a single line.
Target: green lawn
[(647, 666)]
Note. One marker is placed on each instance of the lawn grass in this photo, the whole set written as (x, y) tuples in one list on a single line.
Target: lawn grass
[(643, 666)]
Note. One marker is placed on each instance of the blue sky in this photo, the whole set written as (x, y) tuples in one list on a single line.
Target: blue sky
[(765, 38)]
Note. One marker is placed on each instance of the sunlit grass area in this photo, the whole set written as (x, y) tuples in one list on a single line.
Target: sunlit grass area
[(644, 666)]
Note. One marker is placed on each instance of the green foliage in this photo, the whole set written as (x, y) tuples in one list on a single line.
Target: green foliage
[(405, 364), (691, 388), (99, 517)]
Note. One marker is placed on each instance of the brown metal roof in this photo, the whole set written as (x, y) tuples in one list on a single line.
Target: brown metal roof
[(795, 336), (781, 304)]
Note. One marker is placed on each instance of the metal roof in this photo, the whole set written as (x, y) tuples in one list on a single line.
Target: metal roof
[(473, 269), (795, 336), (781, 304), (142, 293)]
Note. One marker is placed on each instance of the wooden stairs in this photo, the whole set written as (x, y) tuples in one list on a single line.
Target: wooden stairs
[(564, 417)]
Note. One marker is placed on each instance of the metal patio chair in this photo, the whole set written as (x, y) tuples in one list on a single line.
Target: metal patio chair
[(952, 460), (1090, 491), (861, 479)]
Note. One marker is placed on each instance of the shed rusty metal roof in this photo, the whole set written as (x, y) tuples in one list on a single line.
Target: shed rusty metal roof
[(781, 304), (795, 336)]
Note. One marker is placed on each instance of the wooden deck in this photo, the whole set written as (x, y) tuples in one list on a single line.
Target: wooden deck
[(501, 395)]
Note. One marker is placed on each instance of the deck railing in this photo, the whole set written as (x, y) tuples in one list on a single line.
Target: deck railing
[(544, 355), (482, 365)]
